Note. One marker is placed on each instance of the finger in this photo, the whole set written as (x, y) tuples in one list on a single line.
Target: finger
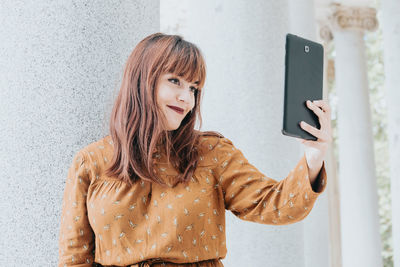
[(320, 113), (322, 104), (312, 130), (322, 116), (326, 123), (322, 135)]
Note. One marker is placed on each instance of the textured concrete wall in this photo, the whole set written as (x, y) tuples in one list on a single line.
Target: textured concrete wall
[(244, 46), (60, 67)]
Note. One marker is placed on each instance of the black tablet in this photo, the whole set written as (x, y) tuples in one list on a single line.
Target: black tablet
[(304, 64)]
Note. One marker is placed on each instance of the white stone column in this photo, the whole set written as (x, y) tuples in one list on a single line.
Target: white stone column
[(361, 243), (302, 19), (316, 226), (244, 47), (60, 64), (391, 45), (325, 36)]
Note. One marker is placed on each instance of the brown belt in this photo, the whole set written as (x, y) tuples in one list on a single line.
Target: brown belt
[(147, 263)]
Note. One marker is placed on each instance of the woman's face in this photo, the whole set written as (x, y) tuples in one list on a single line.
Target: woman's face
[(174, 91)]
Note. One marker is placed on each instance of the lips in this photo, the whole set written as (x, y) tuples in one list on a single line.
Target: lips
[(177, 109)]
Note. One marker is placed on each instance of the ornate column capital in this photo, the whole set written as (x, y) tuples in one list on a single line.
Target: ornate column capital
[(324, 31), (353, 17)]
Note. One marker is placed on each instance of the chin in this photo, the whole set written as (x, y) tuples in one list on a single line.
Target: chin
[(170, 128), (173, 128)]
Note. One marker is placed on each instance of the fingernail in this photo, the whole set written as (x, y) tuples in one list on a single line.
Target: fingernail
[(308, 102)]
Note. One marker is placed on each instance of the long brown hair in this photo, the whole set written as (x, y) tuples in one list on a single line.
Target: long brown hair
[(137, 125)]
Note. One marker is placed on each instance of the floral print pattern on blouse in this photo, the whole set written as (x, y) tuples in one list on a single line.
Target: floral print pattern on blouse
[(107, 222)]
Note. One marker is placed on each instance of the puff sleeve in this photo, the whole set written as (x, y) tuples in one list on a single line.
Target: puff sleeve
[(252, 196), (76, 237)]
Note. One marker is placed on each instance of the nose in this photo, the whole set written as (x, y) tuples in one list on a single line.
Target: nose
[(184, 95)]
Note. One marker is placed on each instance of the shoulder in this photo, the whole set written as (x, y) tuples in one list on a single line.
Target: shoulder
[(98, 151), (101, 143), (212, 145), (213, 138), (207, 140)]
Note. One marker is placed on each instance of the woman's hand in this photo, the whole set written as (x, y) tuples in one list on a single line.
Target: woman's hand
[(315, 150)]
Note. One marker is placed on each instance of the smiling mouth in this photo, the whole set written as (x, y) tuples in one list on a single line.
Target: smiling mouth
[(176, 110)]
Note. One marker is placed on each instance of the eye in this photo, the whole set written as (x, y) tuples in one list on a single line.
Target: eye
[(173, 79), (193, 88)]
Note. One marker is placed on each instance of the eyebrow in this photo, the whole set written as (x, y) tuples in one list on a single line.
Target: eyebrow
[(196, 82)]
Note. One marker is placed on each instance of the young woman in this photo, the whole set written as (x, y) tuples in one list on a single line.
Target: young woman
[(154, 191)]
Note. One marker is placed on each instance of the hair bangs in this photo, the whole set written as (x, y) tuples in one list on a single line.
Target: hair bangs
[(187, 62)]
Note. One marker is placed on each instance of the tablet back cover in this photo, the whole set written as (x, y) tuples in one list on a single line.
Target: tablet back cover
[(303, 81)]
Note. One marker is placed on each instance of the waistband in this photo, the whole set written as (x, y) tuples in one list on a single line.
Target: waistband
[(160, 262), (150, 262)]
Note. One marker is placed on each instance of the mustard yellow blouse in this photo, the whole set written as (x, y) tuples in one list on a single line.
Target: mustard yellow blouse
[(105, 221)]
